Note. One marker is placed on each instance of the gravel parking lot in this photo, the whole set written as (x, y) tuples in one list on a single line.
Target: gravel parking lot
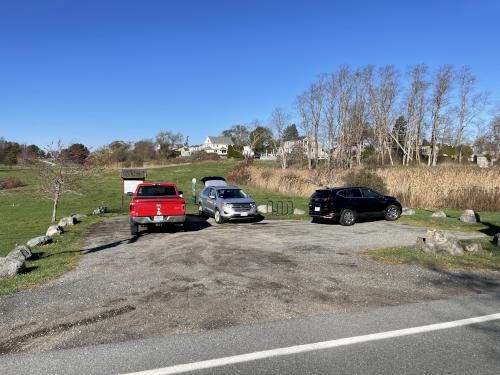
[(212, 276)]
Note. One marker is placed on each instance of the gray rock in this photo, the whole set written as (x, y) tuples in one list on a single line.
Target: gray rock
[(10, 267), (54, 230), (469, 216), (39, 241), (263, 209), (100, 210), (438, 242), (473, 248), (407, 211), (78, 217), (21, 253), (438, 214), (65, 221), (298, 211), (496, 239)]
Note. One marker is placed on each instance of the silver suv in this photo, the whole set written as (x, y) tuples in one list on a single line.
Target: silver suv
[(225, 203)]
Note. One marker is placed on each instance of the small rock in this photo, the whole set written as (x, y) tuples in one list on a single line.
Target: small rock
[(473, 247), (100, 210), (438, 214), (54, 229), (65, 221), (10, 267), (439, 242), (469, 216), (21, 253), (496, 239), (39, 241), (78, 217), (263, 209), (407, 211), (298, 211)]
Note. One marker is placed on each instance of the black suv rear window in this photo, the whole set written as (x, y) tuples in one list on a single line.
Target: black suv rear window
[(321, 194), (156, 191)]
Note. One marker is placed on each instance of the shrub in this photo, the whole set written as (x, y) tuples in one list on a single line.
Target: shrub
[(366, 178), (10, 183), (239, 175), (202, 155)]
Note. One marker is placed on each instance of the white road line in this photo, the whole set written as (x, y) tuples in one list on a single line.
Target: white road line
[(218, 362)]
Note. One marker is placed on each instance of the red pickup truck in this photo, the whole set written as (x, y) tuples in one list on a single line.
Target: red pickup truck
[(156, 204)]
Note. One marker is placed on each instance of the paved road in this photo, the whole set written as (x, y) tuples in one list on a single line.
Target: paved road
[(460, 350), (213, 276)]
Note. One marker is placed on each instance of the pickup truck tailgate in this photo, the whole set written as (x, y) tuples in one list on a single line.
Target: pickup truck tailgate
[(157, 207)]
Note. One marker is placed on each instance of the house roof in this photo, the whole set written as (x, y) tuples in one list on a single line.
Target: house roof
[(221, 140)]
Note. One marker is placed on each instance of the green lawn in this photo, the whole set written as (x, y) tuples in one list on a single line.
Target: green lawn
[(486, 260), (25, 213), (490, 221)]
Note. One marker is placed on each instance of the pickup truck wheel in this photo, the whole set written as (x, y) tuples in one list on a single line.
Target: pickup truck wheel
[(347, 217), (134, 229), (218, 217), (392, 212)]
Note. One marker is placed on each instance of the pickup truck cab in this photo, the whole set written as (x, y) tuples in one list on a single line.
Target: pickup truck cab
[(156, 204)]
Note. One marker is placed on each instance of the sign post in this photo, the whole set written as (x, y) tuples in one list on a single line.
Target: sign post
[(130, 179), (193, 190)]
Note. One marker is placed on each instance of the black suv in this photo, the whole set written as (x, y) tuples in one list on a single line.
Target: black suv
[(348, 203)]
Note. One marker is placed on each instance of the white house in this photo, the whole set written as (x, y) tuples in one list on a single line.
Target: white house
[(217, 145), (290, 146)]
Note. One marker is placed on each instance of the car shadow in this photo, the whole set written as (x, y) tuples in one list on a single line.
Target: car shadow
[(252, 220), (358, 220)]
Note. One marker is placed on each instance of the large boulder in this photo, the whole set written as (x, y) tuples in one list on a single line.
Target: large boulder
[(54, 230), (469, 216), (39, 241), (65, 221), (263, 209), (21, 253), (78, 217), (496, 239), (10, 267), (473, 248), (298, 211), (407, 211), (438, 214), (100, 210), (438, 242)]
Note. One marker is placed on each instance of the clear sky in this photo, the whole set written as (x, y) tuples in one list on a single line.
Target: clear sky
[(95, 71)]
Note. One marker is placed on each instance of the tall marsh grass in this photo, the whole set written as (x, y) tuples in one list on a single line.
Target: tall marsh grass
[(447, 186)]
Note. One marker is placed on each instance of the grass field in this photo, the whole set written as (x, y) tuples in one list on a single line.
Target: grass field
[(25, 213)]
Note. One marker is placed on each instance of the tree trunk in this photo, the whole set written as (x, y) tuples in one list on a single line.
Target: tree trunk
[(56, 202)]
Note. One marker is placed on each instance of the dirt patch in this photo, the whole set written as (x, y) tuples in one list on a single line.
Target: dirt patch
[(212, 276)]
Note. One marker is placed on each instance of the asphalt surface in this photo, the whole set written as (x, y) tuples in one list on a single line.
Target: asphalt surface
[(212, 277), (460, 350)]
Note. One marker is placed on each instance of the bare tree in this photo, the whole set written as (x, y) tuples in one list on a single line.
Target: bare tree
[(439, 101), (279, 122), (344, 96), (305, 124), (469, 108), (59, 175), (383, 96), (415, 111)]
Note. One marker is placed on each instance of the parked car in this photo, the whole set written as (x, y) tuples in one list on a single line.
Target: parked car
[(225, 202), (156, 204), (347, 204)]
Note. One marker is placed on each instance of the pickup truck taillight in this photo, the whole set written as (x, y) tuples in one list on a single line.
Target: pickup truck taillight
[(132, 208)]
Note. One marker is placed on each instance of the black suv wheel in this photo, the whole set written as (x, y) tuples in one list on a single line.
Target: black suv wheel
[(392, 212), (347, 217)]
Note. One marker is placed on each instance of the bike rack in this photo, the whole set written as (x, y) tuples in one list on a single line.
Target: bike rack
[(280, 208)]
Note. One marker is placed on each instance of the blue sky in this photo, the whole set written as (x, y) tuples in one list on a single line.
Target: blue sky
[(96, 71)]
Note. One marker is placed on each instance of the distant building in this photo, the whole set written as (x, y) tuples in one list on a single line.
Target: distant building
[(291, 146), (216, 145), (481, 161)]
